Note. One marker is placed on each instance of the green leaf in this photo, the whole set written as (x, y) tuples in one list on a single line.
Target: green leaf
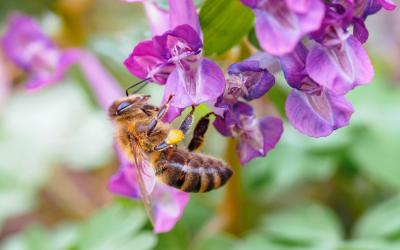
[(38, 238), (376, 147), (307, 224), (216, 242), (224, 23), (369, 244), (115, 227), (382, 221), (276, 175), (177, 239)]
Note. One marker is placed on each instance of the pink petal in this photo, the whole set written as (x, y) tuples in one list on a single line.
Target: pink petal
[(169, 206), (388, 4), (145, 61), (204, 84), (300, 6), (183, 12), (157, 18)]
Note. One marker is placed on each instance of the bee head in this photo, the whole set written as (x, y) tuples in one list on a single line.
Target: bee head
[(123, 107)]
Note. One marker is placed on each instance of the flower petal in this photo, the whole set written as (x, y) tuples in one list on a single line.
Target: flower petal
[(293, 66), (271, 129), (317, 116), (145, 61), (249, 74), (174, 43), (360, 31), (279, 28), (169, 206), (388, 4), (205, 83), (221, 126), (184, 12), (157, 17), (300, 6), (340, 69), (124, 183), (172, 113)]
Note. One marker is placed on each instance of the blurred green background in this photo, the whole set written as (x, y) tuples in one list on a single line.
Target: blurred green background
[(335, 193)]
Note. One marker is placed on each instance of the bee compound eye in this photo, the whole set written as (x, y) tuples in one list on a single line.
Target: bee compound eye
[(122, 106)]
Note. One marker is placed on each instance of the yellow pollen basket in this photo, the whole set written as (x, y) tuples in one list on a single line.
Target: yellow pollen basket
[(174, 136)]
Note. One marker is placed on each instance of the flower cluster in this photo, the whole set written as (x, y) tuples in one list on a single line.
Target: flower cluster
[(318, 45), (326, 66)]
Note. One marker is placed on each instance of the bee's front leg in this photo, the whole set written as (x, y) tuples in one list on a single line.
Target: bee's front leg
[(159, 116)]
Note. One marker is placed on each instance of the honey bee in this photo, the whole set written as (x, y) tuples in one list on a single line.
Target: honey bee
[(142, 135)]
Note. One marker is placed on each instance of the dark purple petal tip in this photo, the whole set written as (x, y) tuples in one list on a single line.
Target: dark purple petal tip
[(249, 80)]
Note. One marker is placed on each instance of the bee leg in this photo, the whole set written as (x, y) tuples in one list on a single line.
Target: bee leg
[(187, 122), (199, 132), (176, 135), (161, 113)]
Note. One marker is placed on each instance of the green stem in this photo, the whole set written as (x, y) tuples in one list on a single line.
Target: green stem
[(231, 209)]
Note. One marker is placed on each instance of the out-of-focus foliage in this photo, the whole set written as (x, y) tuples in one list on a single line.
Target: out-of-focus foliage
[(77, 136), (108, 229)]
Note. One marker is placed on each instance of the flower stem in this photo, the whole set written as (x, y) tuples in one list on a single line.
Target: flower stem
[(231, 210)]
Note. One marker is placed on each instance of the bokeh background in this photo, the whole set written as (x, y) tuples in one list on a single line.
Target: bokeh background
[(335, 193)]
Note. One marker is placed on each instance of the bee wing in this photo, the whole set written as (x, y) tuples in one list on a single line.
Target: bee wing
[(142, 167)]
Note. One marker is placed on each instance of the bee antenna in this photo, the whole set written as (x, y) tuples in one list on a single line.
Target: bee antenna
[(145, 81)]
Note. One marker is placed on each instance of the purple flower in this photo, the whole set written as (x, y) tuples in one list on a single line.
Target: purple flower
[(310, 107), (32, 51), (338, 61), (341, 67), (281, 24), (175, 58), (256, 137), (248, 80)]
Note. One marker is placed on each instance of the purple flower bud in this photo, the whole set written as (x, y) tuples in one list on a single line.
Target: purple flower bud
[(248, 80)]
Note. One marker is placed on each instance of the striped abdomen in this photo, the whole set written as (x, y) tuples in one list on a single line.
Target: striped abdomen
[(191, 172)]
